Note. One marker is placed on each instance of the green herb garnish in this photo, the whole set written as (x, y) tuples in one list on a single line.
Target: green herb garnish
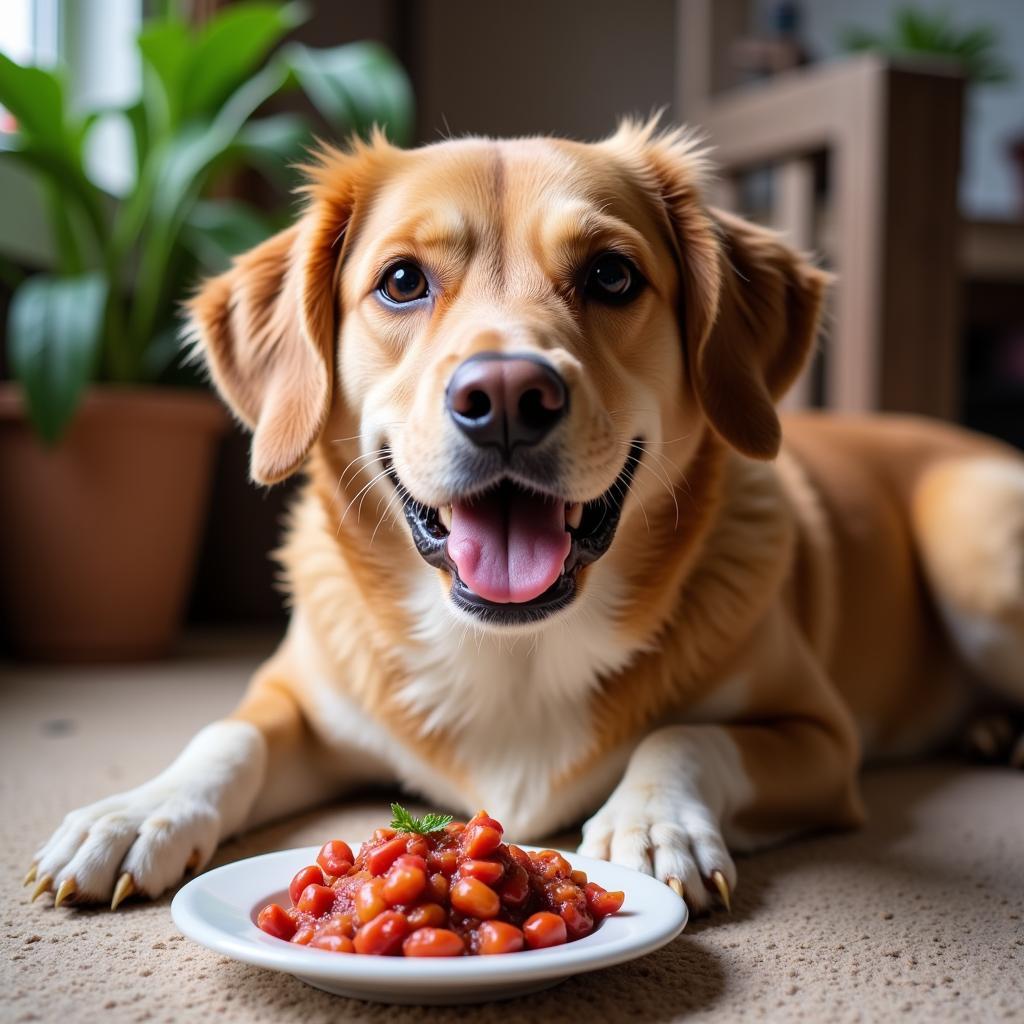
[(403, 821)]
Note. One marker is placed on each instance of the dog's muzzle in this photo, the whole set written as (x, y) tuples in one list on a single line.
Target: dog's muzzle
[(514, 552)]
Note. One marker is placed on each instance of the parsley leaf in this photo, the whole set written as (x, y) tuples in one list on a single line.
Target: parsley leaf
[(403, 821)]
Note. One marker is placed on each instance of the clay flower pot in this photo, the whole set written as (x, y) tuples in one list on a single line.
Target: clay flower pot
[(98, 535)]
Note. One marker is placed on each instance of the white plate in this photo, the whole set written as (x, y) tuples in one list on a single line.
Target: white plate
[(218, 910)]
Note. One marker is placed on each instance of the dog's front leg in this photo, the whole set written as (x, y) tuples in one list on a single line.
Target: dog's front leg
[(233, 774), (691, 793)]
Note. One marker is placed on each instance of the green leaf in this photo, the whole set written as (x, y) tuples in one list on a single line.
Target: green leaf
[(165, 48), (65, 238), (36, 99), (54, 329), (61, 170), (218, 229), (915, 31), (403, 821), (191, 154), (161, 352), (856, 39), (355, 87), (273, 144), (230, 47), (135, 115), (182, 167)]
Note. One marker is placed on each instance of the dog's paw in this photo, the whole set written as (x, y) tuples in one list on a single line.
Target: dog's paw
[(144, 840), (670, 835), (141, 842), (995, 739)]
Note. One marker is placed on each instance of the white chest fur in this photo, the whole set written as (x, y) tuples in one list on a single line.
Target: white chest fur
[(516, 708)]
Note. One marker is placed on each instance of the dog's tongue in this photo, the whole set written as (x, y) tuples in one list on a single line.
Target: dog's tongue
[(508, 546)]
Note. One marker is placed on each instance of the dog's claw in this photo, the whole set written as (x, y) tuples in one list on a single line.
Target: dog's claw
[(124, 888), (31, 876), (723, 888), (677, 887), (44, 885), (193, 861), (65, 891)]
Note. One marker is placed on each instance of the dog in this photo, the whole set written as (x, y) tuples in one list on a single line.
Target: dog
[(557, 555)]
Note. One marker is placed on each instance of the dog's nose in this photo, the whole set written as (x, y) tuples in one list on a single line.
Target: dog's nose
[(506, 400)]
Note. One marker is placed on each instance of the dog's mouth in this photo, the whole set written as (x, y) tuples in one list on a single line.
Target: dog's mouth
[(514, 552)]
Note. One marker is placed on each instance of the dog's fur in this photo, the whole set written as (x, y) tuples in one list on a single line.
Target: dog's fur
[(763, 619)]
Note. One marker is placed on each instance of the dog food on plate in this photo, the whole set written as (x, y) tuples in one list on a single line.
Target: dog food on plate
[(437, 887)]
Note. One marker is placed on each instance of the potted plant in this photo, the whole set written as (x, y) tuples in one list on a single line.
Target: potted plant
[(917, 32), (105, 457), (975, 50)]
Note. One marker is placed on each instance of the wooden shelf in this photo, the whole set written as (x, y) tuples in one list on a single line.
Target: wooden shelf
[(993, 250)]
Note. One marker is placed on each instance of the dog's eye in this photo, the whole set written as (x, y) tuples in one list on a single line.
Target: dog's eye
[(613, 279), (403, 282)]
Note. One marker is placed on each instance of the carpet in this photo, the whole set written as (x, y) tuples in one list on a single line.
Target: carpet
[(917, 917)]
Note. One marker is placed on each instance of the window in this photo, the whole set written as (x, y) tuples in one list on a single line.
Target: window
[(28, 34), (28, 30), (94, 40)]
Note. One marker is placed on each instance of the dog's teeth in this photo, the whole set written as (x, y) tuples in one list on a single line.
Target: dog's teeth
[(573, 515), (444, 513)]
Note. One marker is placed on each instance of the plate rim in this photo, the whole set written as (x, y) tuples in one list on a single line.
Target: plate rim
[(433, 973)]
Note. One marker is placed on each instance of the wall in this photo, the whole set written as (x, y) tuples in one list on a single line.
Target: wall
[(536, 66)]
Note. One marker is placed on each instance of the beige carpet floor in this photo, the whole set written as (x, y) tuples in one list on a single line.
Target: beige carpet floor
[(918, 917)]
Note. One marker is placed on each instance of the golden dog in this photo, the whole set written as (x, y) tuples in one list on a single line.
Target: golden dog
[(556, 556)]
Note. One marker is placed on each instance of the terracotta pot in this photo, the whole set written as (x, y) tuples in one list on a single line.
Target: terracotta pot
[(98, 535)]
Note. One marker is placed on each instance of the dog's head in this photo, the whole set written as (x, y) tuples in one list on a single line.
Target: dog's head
[(521, 343)]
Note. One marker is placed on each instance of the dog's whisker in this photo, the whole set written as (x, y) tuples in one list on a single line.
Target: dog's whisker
[(663, 460), (660, 457), (362, 435), (662, 479), (626, 412), (367, 460), (668, 488), (462, 639), (381, 516), (645, 442), (623, 493), (661, 476), (342, 476), (341, 481), (396, 497), (630, 489), (362, 490), (400, 494), (365, 491), (337, 488)]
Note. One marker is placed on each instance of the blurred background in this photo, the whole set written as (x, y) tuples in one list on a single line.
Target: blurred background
[(886, 137)]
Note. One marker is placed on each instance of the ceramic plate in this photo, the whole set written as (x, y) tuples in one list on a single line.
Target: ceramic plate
[(218, 909)]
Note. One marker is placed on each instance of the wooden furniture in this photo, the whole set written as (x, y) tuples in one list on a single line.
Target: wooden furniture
[(888, 135), (993, 250)]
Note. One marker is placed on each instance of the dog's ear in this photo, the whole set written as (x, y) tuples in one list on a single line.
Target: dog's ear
[(749, 305), (758, 338), (267, 328)]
